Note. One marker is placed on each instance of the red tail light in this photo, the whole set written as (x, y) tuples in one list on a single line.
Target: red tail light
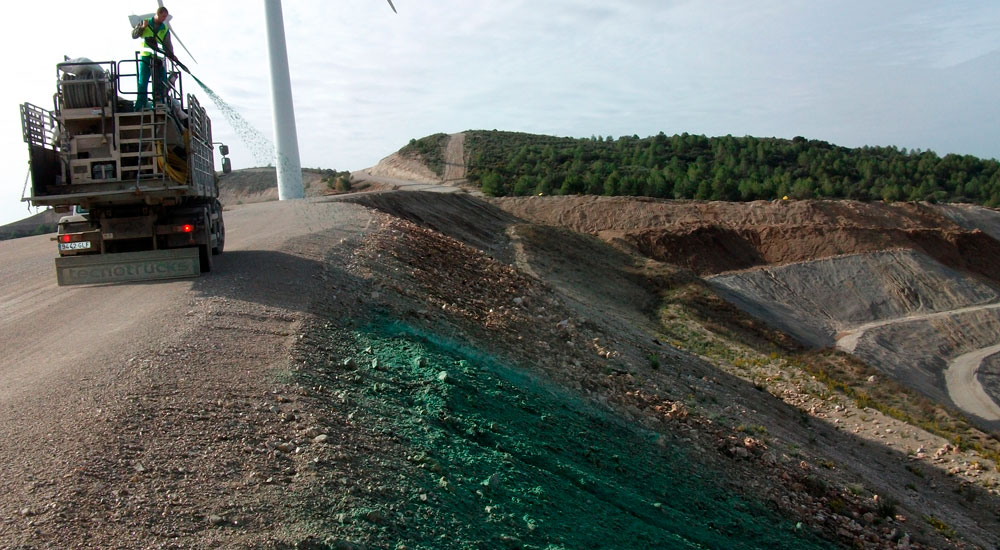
[(187, 228), (64, 238)]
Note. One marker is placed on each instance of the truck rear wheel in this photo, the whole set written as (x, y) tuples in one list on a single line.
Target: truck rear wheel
[(220, 241), (205, 257), (205, 249)]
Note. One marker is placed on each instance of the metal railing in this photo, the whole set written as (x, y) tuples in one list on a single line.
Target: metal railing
[(171, 88), (38, 126)]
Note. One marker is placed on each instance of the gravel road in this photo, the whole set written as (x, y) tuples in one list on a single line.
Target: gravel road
[(102, 387)]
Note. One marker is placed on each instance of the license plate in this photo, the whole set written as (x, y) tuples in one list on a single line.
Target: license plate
[(80, 245)]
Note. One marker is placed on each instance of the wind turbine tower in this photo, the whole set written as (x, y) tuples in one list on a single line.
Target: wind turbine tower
[(286, 154)]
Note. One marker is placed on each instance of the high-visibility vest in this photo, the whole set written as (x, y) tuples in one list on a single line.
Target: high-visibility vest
[(160, 35)]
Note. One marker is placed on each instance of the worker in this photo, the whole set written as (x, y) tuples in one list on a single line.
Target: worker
[(155, 38)]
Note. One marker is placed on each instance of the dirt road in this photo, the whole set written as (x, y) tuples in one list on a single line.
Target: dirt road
[(91, 435), (965, 388), (847, 340), (454, 158)]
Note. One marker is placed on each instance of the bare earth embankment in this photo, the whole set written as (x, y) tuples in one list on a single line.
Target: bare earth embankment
[(899, 311), (905, 287)]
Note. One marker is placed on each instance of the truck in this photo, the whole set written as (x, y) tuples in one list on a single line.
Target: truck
[(139, 188)]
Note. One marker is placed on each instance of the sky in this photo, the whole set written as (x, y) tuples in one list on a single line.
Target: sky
[(918, 74)]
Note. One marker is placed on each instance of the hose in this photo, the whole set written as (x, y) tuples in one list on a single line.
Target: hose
[(173, 165)]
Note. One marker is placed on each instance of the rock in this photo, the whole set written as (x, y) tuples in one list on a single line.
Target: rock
[(519, 301), (872, 379), (492, 482), (322, 438), (677, 411), (216, 519), (420, 362), (739, 452), (375, 516), (443, 376), (312, 431)]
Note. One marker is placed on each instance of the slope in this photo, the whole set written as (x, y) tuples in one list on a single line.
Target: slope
[(820, 301)]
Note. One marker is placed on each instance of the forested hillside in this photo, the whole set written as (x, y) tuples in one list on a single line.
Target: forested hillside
[(721, 168)]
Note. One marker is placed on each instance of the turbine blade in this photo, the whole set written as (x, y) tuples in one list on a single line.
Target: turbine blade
[(391, 6), (134, 20), (174, 34)]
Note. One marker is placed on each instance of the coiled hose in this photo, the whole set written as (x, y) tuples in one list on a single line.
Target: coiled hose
[(173, 165)]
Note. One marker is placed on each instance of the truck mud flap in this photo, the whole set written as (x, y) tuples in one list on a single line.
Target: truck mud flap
[(128, 266)]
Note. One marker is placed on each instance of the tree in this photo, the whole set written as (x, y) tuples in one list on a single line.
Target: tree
[(492, 185), (525, 185)]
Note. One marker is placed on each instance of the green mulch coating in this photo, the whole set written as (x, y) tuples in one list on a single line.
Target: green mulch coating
[(499, 459)]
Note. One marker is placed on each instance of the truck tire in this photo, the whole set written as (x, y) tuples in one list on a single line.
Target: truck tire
[(205, 258), (220, 241), (205, 249)]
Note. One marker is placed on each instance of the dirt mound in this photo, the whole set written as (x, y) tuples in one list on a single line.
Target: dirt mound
[(399, 167), (973, 217), (42, 222), (715, 249), (592, 214), (454, 214), (253, 185), (713, 237)]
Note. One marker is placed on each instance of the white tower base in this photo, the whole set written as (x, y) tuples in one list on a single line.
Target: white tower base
[(286, 153)]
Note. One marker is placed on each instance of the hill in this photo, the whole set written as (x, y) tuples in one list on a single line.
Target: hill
[(719, 168), (251, 185), (36, 224)]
